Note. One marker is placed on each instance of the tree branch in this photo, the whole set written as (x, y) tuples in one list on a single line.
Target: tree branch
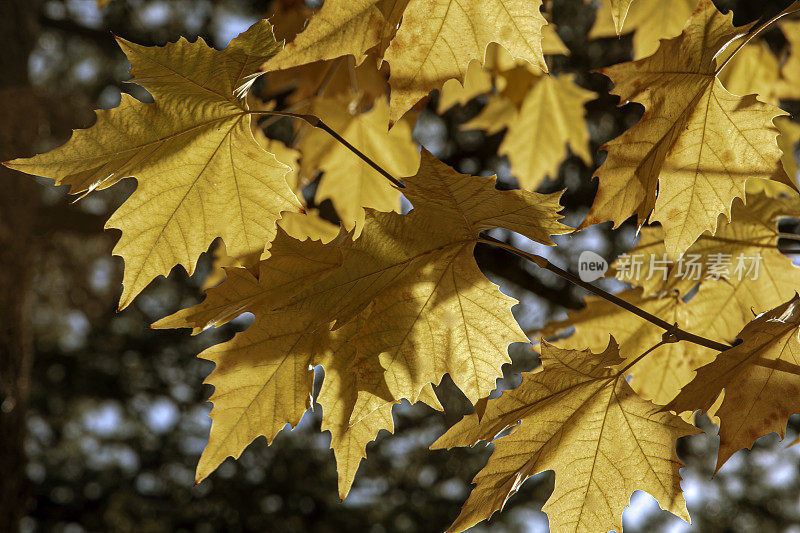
[(673, 329), (489, 257)]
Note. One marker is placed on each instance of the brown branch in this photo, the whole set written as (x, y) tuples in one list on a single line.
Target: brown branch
[(673, 329), (489, 257)]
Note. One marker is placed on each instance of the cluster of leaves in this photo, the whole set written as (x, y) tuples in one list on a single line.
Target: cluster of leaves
[(388, 303)]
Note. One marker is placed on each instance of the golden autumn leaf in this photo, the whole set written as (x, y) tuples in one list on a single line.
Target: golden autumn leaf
[(430, 310), (790, 136), (350, 183), (551, 42), (339, 28), (739, 271), (617, 443), (552, 117), (200, 173), (659, 376), (754, 70), (696, 145), (619, 10), (308, 225), (652, 20), (498, 113), (760, 378), (788, 86), (476, 82), (339, 395), (430, 47)]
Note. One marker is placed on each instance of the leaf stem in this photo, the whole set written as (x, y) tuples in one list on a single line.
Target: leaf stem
[(541, 262), (660, 343), (318, 123), (794, 7)]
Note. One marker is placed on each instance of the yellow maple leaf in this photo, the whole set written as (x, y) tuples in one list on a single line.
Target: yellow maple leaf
[(754, 70), (496, 115), (350, 183), (616, 443), (339, 396), (696, 145), (543, 115), (552, 117), (431, 47), (340, 27), (790, 136), (760, 378), (652, 20), (431, 311), (200, 173), (551, 42), (476, 82), (308, 225), (788, 86), (619, 11), (721, 306), (659, 376)]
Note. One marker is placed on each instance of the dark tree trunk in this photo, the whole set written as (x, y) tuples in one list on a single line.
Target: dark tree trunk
[(20, 117)]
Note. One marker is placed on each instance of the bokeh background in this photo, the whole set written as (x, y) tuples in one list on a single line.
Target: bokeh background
[(102, 420)]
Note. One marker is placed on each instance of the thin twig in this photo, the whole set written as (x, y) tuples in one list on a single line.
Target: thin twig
[(660, 343), (792, 8), (541, 262), (317, 123), (320, 90)]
